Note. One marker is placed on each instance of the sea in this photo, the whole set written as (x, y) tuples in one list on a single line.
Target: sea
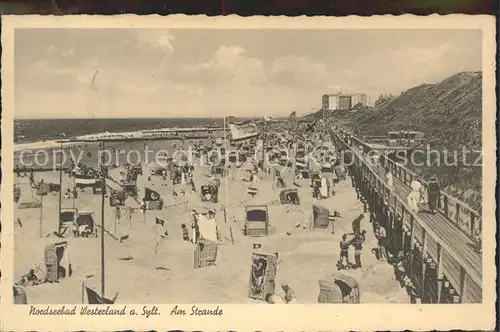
[(35, 130)]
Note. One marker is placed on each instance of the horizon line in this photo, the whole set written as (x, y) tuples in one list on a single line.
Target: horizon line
[(143, 117)]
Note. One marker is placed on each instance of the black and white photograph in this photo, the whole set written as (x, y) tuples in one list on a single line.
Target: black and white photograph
[(248, 166)]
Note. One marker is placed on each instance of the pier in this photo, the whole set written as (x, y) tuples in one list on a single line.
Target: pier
[(434, 254)]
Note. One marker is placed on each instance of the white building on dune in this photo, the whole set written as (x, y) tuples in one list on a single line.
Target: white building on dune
[(343, 101)]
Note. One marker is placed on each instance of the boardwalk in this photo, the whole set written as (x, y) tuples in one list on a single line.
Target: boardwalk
[(442, 240)]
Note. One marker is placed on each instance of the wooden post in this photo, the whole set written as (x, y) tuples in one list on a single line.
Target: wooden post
[(403, 237), (439, 271), (472, 224), (446, 290), (463, 285), (445, 205), (424, 261), (434, 269), (412, 244)]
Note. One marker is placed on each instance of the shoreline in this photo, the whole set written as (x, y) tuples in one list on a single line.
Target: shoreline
[(136, 136), (18, 147)]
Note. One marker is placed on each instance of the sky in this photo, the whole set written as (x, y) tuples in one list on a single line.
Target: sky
[(81, 73)]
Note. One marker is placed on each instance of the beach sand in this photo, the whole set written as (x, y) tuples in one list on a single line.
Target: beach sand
[(305, 255)]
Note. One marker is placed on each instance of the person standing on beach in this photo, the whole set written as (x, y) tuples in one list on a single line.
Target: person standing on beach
[(194, 225), (32, 178), (356, 224), (289, 294), (185, 233), (143, 206), (381, 236), (358, 247), (344, 252)]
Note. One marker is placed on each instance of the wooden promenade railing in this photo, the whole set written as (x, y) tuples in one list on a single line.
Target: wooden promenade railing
[(458, 212), (436, 257)]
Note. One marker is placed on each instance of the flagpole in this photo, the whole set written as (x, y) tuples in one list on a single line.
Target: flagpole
[(83, 292), (129, 220), (41, 215), (103, 188), (74, 190), (156, 247), (116, 217), (263, 153), (60, 189)]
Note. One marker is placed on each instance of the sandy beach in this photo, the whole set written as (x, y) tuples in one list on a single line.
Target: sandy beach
[(306, 255)]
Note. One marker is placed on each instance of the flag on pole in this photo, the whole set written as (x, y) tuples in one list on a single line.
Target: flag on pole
[(300, 163), (151, 195), (252, 191), (85, 181), (94, 298), (243, 131), (43, 189), (165, 234), (160, 222)]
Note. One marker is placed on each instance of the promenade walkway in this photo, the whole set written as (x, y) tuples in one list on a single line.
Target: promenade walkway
[(441, 241)]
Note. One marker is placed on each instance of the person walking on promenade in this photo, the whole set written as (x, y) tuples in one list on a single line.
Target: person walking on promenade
[(388, 179), (414, 196), (433, 194)]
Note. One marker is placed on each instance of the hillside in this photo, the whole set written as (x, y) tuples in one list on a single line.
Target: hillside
[(449, 113)]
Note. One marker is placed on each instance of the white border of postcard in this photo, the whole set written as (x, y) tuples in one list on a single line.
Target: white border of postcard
[(264, 317)]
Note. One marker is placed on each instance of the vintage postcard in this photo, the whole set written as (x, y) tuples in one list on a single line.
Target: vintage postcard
[(186, 172)]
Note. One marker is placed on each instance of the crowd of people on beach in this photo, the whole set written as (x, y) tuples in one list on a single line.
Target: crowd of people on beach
[(322, 189)]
